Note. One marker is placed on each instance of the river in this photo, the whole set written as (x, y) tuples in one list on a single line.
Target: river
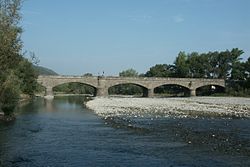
[(63, 132)]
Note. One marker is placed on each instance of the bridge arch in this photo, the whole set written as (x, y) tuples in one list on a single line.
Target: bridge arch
[(75, 88), (128, 88), (170, 90), (209, 89), (124, 81), (49, 82), (183, 84), (73, 81)]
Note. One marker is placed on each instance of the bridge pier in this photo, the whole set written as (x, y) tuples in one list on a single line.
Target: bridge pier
[(102, 92), (49, 93), (192, 92), (148, 93)]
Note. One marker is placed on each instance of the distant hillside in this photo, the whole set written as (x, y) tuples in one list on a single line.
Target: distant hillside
[(44, 71)]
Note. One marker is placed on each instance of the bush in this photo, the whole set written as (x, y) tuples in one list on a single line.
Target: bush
[(9, 94), (27, 76)]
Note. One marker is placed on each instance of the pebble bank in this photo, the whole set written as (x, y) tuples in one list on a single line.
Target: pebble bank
[(229, 107)]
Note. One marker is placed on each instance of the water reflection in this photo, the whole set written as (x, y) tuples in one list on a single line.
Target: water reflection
[(63, 103), (49, 105)]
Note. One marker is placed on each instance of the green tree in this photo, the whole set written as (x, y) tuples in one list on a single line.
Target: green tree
[(181, 65), (212, 64), (196, 65), (10, 47), (16, 73), (87, 75), (10, 32), (237, 67), (247, 68), (9, 94), (241, 78), (27, 76), (226, 61), (160, 70), (129, 73), (238, 71)]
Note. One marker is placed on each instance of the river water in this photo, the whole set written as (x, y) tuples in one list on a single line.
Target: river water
[(64, 133)]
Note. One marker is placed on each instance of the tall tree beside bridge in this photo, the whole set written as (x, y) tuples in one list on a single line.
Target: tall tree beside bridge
[(161, 70), (10, 47), (216, 64), (16, 72), (212, 65), (129, 73), (181, 65)]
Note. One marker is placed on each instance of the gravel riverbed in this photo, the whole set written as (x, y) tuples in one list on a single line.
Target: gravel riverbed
[(228, 107)]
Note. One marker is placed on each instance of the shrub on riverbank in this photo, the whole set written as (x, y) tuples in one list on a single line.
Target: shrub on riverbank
[(9, 94)]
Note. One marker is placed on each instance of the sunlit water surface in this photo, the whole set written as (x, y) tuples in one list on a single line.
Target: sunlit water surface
[(64, 133)]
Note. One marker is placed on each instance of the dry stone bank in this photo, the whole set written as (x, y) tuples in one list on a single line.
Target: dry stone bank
[(229, 107)]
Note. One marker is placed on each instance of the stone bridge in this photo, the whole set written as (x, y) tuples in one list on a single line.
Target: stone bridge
[(102, 84)]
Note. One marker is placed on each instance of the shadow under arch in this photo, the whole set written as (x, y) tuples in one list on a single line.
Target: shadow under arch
[(171, 90), (75, 88), (209, 90), (128, 89)]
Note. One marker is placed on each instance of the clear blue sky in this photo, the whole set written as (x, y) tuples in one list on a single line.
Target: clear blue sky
[(80, 36)]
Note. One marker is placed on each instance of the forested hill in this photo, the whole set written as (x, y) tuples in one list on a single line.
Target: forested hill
[(44, 71)]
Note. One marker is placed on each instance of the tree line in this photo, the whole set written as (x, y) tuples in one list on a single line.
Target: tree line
[(226, 65), (215, 65), (17, 75)]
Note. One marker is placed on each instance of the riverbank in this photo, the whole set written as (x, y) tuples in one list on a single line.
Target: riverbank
[(22, 100), (177, 107)]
